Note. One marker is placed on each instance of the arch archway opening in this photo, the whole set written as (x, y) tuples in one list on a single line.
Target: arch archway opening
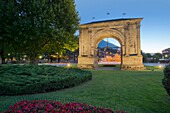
[(109, 53)]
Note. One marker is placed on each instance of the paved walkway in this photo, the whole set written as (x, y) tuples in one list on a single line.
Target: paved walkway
[(66, 64), (56, 64), (156, 64), (109, 63), (107, 68)]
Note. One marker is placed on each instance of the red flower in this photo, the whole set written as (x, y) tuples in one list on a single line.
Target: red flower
[(19, 111), (45, 106)]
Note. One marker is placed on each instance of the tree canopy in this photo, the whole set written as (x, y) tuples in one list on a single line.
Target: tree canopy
[(38, 24), (8, 17)]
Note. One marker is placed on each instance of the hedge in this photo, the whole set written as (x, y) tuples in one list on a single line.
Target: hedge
[(29, 79), (166, 79)]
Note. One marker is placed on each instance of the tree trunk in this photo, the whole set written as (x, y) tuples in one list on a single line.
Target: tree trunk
[(51, 59), (33, 59), (74, 57), (2, 56), (3, 60), (58, 60)]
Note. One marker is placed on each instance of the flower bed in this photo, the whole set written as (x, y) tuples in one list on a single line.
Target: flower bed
[(45, 106), (18, 80)]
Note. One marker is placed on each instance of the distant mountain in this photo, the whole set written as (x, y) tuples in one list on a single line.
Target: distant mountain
[(103, 44)]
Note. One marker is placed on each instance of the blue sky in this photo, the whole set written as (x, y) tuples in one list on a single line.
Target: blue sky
[(155, 27)]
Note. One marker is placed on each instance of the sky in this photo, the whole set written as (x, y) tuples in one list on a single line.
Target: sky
[(155, 26)]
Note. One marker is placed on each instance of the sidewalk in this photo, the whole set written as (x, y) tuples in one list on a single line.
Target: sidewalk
[(107, 68), (56, 64)]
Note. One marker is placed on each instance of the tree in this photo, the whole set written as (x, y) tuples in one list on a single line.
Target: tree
[(69, 47), (144, 56), (148, 55), (157, 56), (43, 23), (8, 16), (73, 46)]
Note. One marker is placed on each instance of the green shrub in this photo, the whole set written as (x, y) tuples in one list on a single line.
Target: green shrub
[(28, 79), (166, 79)]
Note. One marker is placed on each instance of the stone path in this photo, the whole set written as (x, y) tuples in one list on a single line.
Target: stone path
[(65, 64), (56, 64), (107, 68)]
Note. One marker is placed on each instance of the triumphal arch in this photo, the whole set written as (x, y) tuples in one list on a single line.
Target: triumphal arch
[(126, 31)]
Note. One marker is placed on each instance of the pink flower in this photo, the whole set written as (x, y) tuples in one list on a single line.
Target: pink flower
[(45, 106), (19, 111)]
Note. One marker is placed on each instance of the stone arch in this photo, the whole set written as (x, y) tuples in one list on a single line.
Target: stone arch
[(109, 33), (126, 31)]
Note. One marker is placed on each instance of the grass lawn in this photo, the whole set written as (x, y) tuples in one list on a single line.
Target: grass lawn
[(133, 91)]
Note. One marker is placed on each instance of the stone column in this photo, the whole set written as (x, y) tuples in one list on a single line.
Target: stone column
[(126, 40), (80, 43), (90, 31), (138, 40)]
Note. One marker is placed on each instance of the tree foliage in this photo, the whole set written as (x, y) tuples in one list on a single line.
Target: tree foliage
[(42, 24), (8, 17)]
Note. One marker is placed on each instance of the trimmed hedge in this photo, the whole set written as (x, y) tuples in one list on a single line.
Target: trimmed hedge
[(166, 79), (30, 79)]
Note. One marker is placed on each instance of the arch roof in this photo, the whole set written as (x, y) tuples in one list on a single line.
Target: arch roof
[(111, 21)]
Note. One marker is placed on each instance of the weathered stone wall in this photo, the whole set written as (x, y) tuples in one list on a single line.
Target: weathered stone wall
[(127, 32)]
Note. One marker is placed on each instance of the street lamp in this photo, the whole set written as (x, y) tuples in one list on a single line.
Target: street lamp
[(40, 57), (166, 56), (68, 65)]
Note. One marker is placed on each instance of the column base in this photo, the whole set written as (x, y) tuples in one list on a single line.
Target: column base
[(86, 62)]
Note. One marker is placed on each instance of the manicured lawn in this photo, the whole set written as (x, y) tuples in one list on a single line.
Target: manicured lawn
[(133, 91)]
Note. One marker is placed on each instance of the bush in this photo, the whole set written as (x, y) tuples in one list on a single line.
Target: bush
[(166, 79), (28, 79), (45, 106)]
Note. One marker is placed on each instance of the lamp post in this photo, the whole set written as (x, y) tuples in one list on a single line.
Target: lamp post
[(166, 56)]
